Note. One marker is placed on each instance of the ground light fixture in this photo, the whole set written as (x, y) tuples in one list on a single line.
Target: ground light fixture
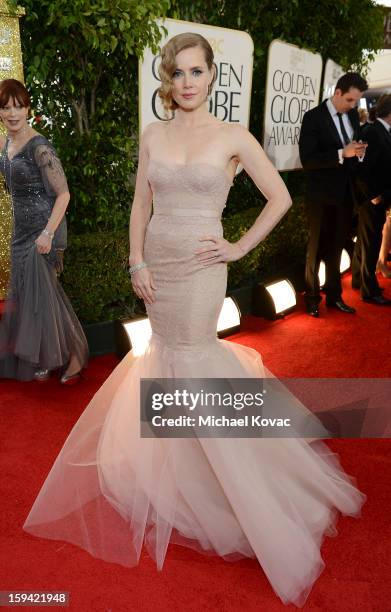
[(132, 334), (229, 319), (273, 300)]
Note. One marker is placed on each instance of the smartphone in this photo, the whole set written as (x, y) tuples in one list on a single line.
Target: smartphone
[(361, 157)]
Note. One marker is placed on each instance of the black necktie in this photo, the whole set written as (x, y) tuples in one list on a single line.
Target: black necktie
[(343, 130)]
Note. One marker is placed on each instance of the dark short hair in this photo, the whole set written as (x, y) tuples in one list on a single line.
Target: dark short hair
[(372, 113), (383, 106), (11, 88), (351, 79)]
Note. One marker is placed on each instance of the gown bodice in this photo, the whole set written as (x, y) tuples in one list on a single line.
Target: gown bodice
[(194, 189), (34, 177)]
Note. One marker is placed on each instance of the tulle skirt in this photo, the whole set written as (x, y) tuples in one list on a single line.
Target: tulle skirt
[(111, 491)]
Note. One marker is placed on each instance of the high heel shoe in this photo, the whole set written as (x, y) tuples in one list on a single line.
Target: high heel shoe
[(71, 379), (42, 375), (383, 269)]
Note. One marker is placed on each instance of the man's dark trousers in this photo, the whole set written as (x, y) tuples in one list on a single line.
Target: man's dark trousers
[(370, 225), (329, 226)]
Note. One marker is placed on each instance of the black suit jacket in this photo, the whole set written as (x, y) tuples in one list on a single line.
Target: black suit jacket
[(375, 174), (328, 181)]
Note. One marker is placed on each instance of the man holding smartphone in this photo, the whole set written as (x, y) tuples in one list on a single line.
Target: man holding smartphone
[(376, 185), (330, 152)]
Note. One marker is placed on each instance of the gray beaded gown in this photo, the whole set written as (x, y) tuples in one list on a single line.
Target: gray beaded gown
[(39, 328)]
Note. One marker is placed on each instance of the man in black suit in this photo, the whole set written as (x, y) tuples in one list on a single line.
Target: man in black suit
[(329, 153), (376, 185)]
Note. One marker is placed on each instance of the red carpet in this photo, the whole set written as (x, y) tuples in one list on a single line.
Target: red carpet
[(35, 420)]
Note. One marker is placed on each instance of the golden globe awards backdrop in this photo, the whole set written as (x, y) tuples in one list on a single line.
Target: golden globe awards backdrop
[(233, 56), (332, 72), (11, 66), (292, 88)]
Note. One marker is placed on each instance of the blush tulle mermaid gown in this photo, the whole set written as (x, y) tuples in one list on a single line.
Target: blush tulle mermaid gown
[(111, 492)]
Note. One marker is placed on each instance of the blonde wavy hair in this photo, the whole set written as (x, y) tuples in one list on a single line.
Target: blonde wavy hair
[(167, 66)]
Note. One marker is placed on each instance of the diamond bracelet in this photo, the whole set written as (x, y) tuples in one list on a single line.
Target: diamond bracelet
[(137, 267), (47, 233)]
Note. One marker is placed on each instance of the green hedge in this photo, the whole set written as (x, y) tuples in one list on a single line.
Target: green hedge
[(96, 280), (284, 246)]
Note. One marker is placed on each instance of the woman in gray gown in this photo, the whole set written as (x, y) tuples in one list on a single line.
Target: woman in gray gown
[(39, 330)]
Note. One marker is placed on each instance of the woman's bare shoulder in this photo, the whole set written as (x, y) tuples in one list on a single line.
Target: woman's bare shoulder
[(237, 136), (236, 130), (155, 127)]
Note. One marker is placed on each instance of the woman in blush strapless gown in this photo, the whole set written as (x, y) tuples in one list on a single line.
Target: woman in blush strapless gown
[(111, 491)]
